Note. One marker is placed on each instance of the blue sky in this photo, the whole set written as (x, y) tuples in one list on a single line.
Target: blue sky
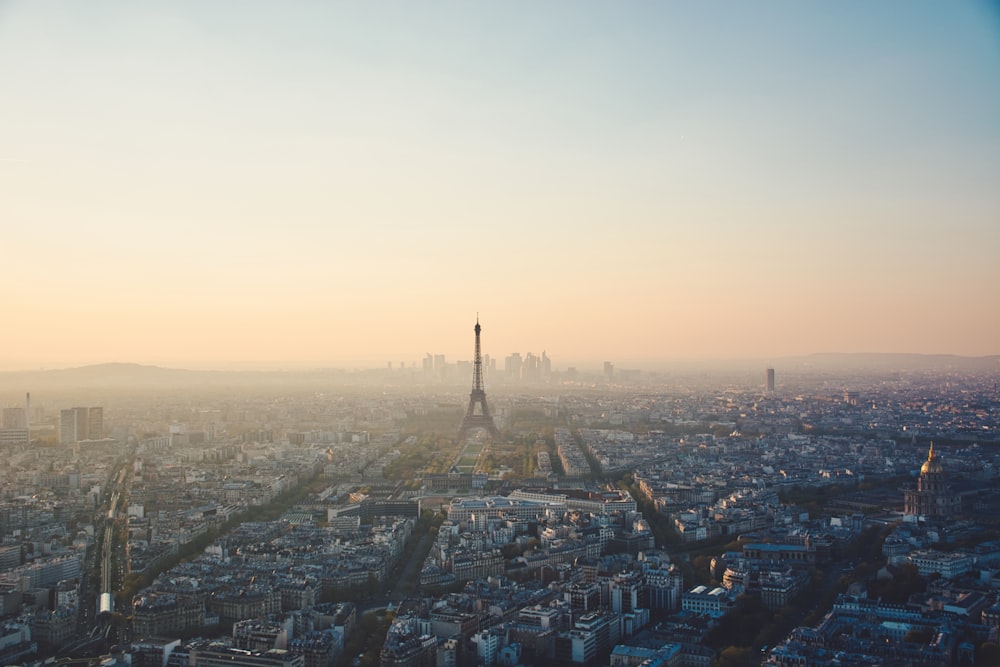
[(743, 180)]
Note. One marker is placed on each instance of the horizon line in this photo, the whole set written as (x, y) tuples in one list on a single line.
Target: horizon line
[(365, 364)]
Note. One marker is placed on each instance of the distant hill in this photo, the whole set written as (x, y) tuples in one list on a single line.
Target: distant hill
[(139, 376), (112, 373)]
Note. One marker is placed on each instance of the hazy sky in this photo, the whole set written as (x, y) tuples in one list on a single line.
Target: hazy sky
[(209, 183)]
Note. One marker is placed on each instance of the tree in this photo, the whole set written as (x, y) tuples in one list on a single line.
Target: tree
[(734, 656), (988, 653), (905, 583), (919, 636), (742, 625), (702, 569), (510, 550)]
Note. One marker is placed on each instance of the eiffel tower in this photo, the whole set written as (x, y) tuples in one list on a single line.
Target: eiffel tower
[(482, 418)]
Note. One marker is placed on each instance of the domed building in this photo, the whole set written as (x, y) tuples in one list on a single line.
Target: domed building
[(933, 496)]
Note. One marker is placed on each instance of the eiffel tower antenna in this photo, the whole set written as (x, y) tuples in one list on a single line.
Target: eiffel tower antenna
[(478, 418)]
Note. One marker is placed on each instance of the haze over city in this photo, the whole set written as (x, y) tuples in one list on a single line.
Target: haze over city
[(200, 185)]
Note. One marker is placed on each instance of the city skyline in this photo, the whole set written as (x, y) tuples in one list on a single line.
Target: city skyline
[(187, 186)]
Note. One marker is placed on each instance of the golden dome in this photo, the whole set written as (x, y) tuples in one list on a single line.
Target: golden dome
[(931, 465)]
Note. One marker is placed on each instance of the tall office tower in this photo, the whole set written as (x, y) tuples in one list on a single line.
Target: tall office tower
[(69, 428), (477, 418), (440, 366), (77, 424), (609, 370), (14, 418), (95, 423), (512, 366), (14, 428), (546, 365), (770, 380), (531, 368)]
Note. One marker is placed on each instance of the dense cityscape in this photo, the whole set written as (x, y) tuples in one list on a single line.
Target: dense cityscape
[(584, 518), (737, 404)]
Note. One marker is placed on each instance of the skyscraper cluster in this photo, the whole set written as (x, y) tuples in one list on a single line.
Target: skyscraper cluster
[(529, 368)]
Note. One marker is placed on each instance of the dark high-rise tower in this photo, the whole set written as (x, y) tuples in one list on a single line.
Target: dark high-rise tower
[(478, 418)]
